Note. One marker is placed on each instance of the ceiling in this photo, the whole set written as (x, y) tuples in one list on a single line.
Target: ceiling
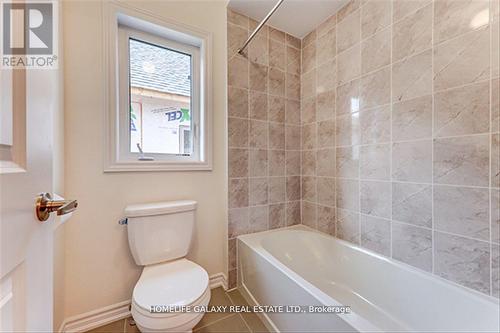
[(296, 17)]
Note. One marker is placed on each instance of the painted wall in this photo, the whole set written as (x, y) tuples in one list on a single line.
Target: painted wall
[(99, 268), (400, 133)]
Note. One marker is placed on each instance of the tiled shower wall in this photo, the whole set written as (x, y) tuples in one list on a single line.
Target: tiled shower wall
[(400, 133), (264, 131)]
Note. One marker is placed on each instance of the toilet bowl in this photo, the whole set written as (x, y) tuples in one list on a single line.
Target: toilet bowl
[(172, 292)]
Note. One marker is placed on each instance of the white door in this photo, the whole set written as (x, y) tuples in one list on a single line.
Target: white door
[(29, 99)]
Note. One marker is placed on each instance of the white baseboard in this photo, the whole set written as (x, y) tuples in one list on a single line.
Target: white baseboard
[(114, 312)]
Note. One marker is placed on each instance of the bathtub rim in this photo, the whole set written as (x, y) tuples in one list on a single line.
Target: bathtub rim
[(253, 241)]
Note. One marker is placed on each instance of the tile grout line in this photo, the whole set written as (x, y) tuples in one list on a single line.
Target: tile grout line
[(433, 234), (391, 240)]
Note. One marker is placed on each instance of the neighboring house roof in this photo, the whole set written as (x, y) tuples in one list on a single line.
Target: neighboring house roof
[(160, 69)]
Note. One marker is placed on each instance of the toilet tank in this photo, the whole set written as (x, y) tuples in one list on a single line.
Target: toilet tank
[(160, 231)]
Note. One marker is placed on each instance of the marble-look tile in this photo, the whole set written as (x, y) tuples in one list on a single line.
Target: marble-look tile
[(238, 192), (276, 109), (308, 58), (309, 39), (326, 134), (308, 110), (277, 190), (453, 18), (462, 60), (292, 163), (413, 34), (412, 245), (375, 198), (237, 102), (462, 160), (462, 210), (276, 54), (347, 130), (292, 112), (326, 219), (348, 226), (238, 222), (292, 137), (257, 134), (325, 105), (412, 203), (495, 160), (257, 191), (495, 40), (347, 162), (258, 50), (375, 125), (349, 64), (238, 163), (375, 89), (293, 61), (348, 98), (495, 215), (308, 162), (231, 253), (258, 219), (412, 120), (292, 86), (495, 270), (325, 76), (293, 41), (276, 162), (375, 162), (257, 105), (412, 77), (376, 15), (277, 216), (325, 188), (276, 82), (412, 161), (308, 85), (404, 8), (495, 105), (293, 214), (462, 111), (309, 134), (326, 26), (309, 188), (349, 31), (376, 234), (238, 72), (462, 260), (325, 162), (347, 194), (238, 19), (236, 36), (376, 51), (309, 214), (349, 8), (276, 136), (277, 35), (327, 47), (258, 77), (236, 132), (293, 188), (257, 162)]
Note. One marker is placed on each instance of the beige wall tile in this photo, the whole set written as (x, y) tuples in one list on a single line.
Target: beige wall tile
[(412, 203), (347, 162), (257, 162), (276, 162), (258, 77), (276, 136), (292, 86), (350, 7), (308, 162), (326, 134), (349, 65), (308, 110), (308, 57), (406, 7), (237, 102), (258, 49), (277, 216), (238, 192), (375, 162), (236, 36), (375, 89), (412, 77), (309, 188), (412, 161), (375, 125), (293, 188), (326, 47), (326, 162), (276, 54), (292, 137), (257, 105), (276, 109), (375, 198), (257, 134), (236, 132), (495, 105), (349, 31), (277, 189), (238, 222), (495, 215), (347, 194), (292, 112), (325, 187), (258, 219), (348, 225), (238, 72), (412, 245), (376, 51), (292, 163), (376, 234), (293, 213), (347, 132), (293, 60), (348, 96), (238, 162), (326, 219), (309, 214), (412, 119), (376, 15)]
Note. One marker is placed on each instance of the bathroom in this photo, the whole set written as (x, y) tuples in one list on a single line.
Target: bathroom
[(250, 166)]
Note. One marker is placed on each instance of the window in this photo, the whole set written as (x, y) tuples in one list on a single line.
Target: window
[(159, 119)]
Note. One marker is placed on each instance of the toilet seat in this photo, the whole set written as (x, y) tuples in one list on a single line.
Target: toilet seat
[(176, 283)]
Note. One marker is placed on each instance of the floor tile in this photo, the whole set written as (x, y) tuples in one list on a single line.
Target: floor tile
[(233, 323), (115, 327)]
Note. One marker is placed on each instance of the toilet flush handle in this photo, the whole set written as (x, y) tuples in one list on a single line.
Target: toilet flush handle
[(123, 221)]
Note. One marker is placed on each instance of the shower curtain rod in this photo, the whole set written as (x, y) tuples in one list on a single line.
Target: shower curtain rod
[(261, 24)]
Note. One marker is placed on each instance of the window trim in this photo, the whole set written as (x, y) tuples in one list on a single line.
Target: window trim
[(124, 20)]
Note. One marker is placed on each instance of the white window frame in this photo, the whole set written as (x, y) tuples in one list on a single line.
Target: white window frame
[(123, 22)]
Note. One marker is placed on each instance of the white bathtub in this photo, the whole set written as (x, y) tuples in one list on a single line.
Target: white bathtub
[(299, 266)]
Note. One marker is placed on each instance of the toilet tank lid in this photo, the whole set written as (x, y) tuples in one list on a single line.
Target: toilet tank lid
[(158, 208)]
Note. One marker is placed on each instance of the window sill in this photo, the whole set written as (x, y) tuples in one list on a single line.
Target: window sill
[(153, 166)]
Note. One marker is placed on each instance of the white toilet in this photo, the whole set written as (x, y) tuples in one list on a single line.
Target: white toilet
[(159, 236)]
